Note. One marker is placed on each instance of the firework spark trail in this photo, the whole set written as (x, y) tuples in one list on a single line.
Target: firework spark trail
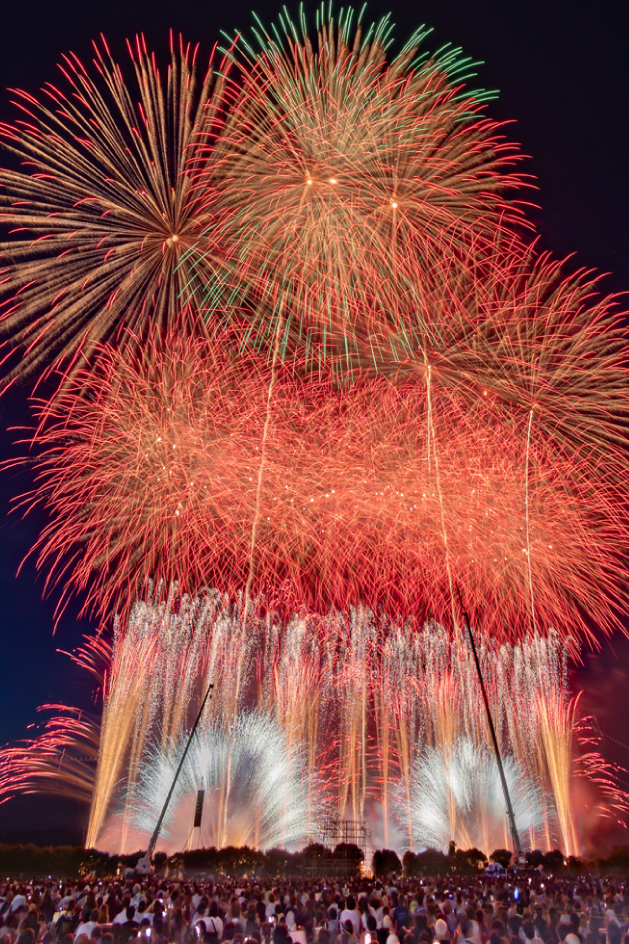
[(298, 696), (126, 705), (59, 762), (353, 687), (103, 221), (398, 711), (556, 728), (592, 766)]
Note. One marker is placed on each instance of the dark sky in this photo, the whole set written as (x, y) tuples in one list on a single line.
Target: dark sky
[(561, 68)]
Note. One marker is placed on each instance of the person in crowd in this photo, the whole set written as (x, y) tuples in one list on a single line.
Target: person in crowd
[(347, 935), (350, 913)]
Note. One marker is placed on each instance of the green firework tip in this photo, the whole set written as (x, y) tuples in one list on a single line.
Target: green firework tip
[(288, 25), (416, 39)]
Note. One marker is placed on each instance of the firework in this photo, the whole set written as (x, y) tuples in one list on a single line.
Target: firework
[(457, 796), (489, 451), (189, 465), (167, 453), (395, 720), (442, 728), (60, 761), (102, 219), (332, 382), (257, 789), (293, 687), (342, 182), (178, 651)]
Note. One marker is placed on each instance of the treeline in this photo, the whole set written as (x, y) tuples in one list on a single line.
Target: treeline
[(432, 862), (31, 861), (74, 861)]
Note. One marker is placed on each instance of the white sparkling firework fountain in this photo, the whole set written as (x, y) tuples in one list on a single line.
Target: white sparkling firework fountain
[(257, 788), (457, 795), (349, 715), (440, 724), (261, 786)]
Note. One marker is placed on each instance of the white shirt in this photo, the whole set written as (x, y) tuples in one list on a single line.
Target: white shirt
[(214, 924), (86, 928), (352, 916)]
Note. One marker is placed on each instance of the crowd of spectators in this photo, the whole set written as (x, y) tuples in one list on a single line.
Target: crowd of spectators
[(522, 909)]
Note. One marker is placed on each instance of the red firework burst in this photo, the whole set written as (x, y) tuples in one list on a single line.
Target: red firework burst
[(192, 466)]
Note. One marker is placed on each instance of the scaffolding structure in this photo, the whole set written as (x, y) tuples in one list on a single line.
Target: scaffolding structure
[(328, 858)]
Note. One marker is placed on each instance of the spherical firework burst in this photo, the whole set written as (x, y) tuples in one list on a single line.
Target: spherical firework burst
[(165, 449), (102, 218), (426, 495), (343, 182)]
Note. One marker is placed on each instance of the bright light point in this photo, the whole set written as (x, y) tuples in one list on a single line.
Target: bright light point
[(394, 204), (332, 180)]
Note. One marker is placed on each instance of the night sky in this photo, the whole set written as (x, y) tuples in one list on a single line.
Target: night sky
[(562, 71)]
